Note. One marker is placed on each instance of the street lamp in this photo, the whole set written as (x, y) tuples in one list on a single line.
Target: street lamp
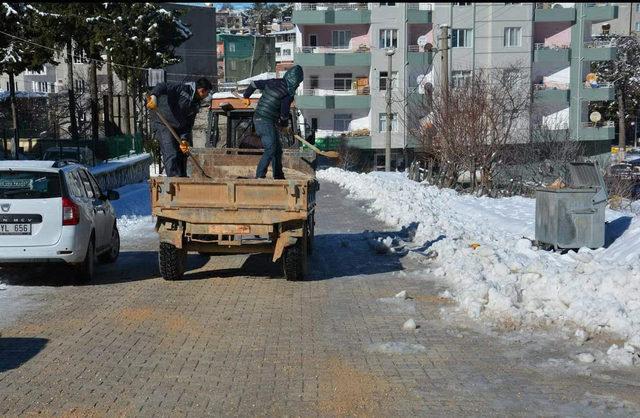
[(387, 152)]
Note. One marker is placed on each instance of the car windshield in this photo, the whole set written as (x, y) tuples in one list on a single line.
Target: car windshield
[(29, 185)]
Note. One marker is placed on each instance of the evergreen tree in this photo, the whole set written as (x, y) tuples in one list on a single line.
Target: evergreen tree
[(19, 25), (141, 36)]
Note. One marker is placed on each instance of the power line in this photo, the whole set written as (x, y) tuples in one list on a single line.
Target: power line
[(80, 57)]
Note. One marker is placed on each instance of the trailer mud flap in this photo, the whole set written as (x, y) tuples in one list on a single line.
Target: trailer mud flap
[(170, 232)]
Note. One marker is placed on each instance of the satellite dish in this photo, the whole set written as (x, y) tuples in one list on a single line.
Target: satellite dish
[(595, 117), (592, 77)]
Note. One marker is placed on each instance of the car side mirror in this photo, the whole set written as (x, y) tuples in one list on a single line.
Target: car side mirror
[(113, 195)]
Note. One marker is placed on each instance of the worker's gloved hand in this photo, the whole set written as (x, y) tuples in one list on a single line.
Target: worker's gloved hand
[(246, 102), (283, 122), (152, 102), (184, 146)]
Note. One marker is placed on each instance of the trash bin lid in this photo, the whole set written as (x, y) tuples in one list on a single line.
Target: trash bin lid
[(587, 174)]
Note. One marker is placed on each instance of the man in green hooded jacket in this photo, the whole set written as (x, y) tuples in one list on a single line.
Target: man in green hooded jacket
[(272, 112)]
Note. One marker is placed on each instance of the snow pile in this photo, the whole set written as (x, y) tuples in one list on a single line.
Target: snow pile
[(505, 276), (133, 210)]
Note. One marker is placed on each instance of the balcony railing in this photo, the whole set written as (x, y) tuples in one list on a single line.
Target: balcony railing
[(600, 43), (416, 6), (598, 85), (551, 86), (332, 49), (331, 6), (604, 124), (413, 48), (542, 45), (364, 91)]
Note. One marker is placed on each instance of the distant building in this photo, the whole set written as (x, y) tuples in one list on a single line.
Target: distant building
[(285, 44), (230, 21), (247, 55)]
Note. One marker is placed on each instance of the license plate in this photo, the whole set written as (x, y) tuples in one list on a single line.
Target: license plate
[(15, 229)]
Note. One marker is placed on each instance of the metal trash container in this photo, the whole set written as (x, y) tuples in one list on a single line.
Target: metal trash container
[(573, 217)]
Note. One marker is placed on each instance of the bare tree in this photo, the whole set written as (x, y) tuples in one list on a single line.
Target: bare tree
[(465, 128)]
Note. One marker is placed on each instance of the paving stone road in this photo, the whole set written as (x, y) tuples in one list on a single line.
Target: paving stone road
[(235, 339)]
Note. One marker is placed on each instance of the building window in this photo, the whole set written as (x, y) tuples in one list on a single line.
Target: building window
[(341, 39), (342, 81), (313, 40), (286, 52), (79, 57), (79, 85), (460, 78), (382, 122), (637, 26), (387, 4), (314, 82), (232, 65), (41, 72), (462, 4), (314, 124), (510, 76), (232, 47), (40, 86), (388, 38), (512, 37), (383, 80), (461, 38), (638, 7), (341, 122), (278, 52)]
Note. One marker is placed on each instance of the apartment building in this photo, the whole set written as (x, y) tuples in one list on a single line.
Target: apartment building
[(342, 50), (285, 45), (628, 20)]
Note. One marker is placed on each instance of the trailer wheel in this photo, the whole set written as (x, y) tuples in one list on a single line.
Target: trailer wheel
[(172, 261), (294, 260)]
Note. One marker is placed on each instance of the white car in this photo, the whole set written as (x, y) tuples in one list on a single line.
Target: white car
[(55, 212)]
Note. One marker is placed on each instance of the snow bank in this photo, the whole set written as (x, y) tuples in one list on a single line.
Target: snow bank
[(505, 276), (133, 210)]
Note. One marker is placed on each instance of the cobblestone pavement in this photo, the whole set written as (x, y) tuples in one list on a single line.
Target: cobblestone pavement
[(235, 339)]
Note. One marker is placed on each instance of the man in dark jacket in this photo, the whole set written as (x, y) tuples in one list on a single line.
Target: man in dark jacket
[(179, 104), (272, 110)]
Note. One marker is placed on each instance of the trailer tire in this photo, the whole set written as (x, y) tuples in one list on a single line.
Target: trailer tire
[(294, 260), (172, 261)]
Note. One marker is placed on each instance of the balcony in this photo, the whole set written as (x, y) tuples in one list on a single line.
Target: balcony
[(546, 94), (599, 50), (603, 132), (320, 56), (551, 53), (418, 58), (418, 14), (603, 92), (334, 99), (556, 14), (331, 14), (600, 12)]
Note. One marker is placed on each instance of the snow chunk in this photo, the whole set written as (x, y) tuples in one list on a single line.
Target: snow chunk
[(586, 358), (395, 347), (409, 324), (620, 356), (401, 295)]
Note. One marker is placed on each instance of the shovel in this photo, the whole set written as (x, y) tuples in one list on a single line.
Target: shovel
[(177, 138), (329, 154)]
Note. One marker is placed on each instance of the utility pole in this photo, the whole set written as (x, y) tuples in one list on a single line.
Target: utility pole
[(444, 56), (387, 150)]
